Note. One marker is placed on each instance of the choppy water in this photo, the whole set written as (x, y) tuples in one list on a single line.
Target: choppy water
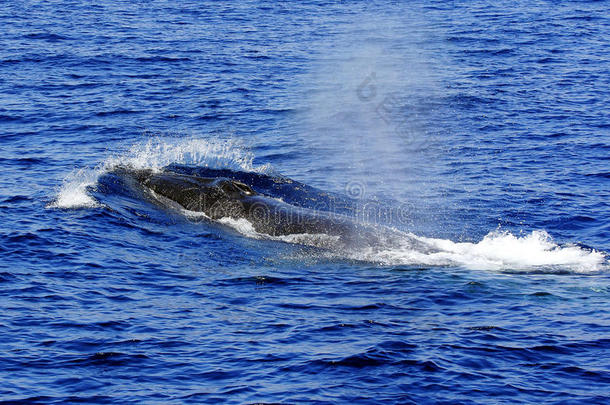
[(475, 129)]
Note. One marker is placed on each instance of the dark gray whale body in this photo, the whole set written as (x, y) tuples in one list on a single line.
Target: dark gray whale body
[(221, 197)]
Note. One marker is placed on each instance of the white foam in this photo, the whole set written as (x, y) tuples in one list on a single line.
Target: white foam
[(242, 226), (321, 240), (155, 154), (500, 251), (73, 191), (246, 228)]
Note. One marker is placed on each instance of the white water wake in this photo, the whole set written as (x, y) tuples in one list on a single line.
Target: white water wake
[(498, 251)]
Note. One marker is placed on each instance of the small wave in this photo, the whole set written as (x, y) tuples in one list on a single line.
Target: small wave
[(155, 154), (162, 59), (500, 251), (120, 111), (10, 118), (50, 37)]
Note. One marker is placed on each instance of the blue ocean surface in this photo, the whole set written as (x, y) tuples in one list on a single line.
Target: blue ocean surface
[(476, 133)]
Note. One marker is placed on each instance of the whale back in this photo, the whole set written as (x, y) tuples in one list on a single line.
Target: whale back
[(216, 197), (223, 197)]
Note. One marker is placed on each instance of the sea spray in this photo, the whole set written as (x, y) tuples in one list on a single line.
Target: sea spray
[(497, 251), (156, 153)]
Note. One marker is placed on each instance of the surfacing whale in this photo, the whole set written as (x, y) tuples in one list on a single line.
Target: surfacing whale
[(221, 197)]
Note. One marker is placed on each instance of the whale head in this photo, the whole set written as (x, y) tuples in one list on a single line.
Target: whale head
[(216, 197)]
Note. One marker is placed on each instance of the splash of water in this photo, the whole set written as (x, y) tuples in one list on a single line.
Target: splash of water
[(155, 154), (73, 191), (246, 228), (498, 251)]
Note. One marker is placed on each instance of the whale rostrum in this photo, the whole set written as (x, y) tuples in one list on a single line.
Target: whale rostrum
[(222, 197)]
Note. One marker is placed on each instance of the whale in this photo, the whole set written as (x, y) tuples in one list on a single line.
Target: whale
[(227, 201), (221, 198)]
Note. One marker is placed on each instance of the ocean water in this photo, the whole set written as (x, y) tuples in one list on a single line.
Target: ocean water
[(477, 133)]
